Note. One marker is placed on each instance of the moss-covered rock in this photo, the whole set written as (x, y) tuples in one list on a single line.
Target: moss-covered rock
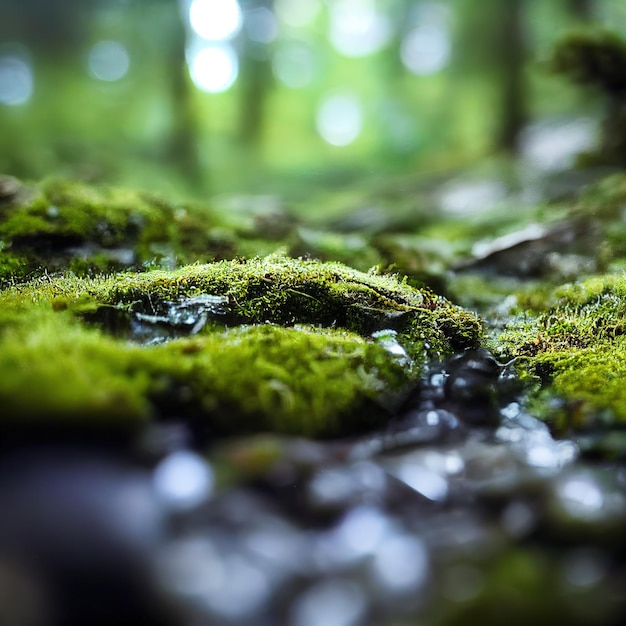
[(268, 344), (290, 291)]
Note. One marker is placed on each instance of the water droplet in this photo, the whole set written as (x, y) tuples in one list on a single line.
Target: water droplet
[(388, 339)]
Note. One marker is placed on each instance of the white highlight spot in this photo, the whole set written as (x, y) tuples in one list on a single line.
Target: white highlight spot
[(582, 497), (426, 482), (183, 480), (109, 61), (215, 20), (357, 28), (340, 120), (214, 68)]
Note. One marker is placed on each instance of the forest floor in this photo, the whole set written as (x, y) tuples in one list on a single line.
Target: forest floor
[(405, 406)]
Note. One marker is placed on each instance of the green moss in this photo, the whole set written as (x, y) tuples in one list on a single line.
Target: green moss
[(297, 380), (312, 370), (301, 380), (53, 370), (289, 291), (60, 224), (576, 350), (13, 267)]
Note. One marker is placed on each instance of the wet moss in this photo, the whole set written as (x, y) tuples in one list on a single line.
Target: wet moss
[(249, 379), (288, 291), (295, 354), (576, 351)]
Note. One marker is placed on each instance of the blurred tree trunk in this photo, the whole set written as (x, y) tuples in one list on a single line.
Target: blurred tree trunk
[(582, 9), (510, 55), (255, 75), (182, 144)]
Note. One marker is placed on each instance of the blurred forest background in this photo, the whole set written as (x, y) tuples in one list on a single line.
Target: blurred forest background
[(209, 96)]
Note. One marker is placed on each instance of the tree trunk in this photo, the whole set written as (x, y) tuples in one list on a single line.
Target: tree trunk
[(182, 145), (583, 10), (256, 83), (510, 55)]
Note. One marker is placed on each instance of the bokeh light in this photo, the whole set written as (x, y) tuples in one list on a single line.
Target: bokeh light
[(16, 80), (426, 50), (293, 64), (340, 119), (357, 28), (183, 480), (261, 25), (215, 20), (214, 68), (297, 13), (108, 61)]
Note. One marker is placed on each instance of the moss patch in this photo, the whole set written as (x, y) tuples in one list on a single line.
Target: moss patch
[(287, 291), (575, 349), (291, 352), (59, 224)]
